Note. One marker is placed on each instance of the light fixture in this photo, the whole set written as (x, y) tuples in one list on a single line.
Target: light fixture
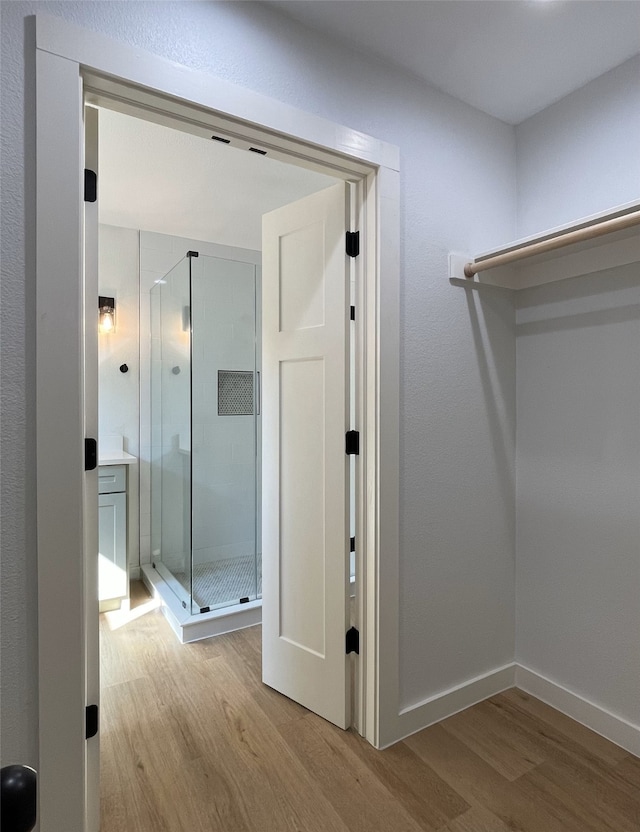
[(106, 314)]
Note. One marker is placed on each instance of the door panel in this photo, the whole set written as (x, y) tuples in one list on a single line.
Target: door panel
[(302, 545), (305, 468), (113, 579)]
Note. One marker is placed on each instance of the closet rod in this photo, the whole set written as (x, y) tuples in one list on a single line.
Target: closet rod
[(566, 239)]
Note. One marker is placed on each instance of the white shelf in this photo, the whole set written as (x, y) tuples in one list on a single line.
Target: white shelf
[(609, 251)]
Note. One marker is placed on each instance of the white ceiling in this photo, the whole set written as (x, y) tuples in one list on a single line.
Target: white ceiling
[(157, 179), (510, 58)]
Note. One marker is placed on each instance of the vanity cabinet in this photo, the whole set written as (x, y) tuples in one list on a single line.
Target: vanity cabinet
[(113, 579)]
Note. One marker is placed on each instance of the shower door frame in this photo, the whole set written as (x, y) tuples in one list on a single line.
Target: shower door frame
[(70, 59)]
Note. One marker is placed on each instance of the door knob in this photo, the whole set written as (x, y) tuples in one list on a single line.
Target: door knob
[(18, 798)]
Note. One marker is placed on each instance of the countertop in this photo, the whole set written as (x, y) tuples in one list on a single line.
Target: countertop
[(116, 458)]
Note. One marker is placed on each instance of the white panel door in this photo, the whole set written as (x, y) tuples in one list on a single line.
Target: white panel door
[(305, 532)]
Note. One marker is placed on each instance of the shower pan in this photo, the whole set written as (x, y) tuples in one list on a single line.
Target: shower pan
[(205, 454)]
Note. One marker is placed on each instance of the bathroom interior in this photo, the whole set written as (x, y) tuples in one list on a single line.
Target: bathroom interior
[(179, 369)]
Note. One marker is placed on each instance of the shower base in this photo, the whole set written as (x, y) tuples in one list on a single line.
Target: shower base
[(189, 627), (219, 581)]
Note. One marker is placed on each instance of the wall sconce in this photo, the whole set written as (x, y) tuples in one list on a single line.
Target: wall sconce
[(106, 314)]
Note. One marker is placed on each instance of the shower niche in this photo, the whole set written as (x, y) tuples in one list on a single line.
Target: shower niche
[(206, 435)]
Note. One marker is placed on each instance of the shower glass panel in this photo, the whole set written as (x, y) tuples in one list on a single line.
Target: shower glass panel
[(205, 488), (225, 568), (171, 430)]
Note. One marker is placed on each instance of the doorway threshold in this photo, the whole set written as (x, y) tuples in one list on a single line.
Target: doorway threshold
[(188, 627)]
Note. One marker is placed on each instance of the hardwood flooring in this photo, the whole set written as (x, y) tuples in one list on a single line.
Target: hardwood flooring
[(192, 741)]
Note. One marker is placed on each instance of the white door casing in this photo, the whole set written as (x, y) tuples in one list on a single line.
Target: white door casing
[(305, 531), (61, 539), (91, 523)]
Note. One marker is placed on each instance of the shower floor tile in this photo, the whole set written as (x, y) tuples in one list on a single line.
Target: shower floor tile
[(223, 581)]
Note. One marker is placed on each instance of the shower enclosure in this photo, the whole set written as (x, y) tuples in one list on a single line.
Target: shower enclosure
[(205, 430)]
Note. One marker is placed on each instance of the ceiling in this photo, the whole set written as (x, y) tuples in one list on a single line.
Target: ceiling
[(157, 179), (510, 58)]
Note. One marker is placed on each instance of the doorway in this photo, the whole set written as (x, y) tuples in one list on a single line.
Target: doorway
[(66, 57), (202, 392), (189, 211)]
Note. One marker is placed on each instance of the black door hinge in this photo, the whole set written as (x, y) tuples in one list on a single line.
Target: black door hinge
[(90, 185), (353, 243), (353, 641), (352, 442), (353, 313), (91, 721), (352, 544), (90, 454)]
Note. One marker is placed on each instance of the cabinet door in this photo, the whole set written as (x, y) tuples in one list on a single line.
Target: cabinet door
[(112, 559), (112, 478)]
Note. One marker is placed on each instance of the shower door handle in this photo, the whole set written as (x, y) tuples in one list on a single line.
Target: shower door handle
[(258, 393)]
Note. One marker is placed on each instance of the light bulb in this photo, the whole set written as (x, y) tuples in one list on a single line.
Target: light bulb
[(106, 324)]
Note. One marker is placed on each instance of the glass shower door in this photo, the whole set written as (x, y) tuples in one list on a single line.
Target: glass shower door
[(171, 430), (225, 433)]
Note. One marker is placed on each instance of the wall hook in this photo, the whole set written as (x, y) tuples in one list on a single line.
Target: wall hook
[(124, 368)]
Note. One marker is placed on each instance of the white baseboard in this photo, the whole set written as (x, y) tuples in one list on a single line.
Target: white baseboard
[(443, 705), (436, 708), (593, 716)]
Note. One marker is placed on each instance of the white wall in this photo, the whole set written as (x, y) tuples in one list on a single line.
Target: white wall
[(118, 253), (578, 495), (119, 393), (578, 410), (457, 349), (581, 155)]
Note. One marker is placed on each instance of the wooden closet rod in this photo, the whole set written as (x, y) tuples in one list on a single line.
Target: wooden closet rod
[(566, 239)]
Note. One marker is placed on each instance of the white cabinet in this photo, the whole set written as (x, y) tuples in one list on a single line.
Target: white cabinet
[(113, 579)]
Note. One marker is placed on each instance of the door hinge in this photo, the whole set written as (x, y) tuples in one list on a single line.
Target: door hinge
[(90, 185), (90, 454), (353, 313), (352, 442), (353, 243), (352, 641), (352, 544), (91, 721)]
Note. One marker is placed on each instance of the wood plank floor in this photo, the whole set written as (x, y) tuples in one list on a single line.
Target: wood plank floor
[(193, 742)]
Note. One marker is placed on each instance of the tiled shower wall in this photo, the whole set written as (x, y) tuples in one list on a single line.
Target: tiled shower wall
[(224, 440)]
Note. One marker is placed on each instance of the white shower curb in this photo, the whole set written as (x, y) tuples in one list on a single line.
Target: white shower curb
[(188, 627)]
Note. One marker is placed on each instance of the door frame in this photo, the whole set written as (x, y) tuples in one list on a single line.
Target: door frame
[(68, 57)]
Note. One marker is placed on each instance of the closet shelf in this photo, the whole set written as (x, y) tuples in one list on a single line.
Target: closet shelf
[(601, 241)]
